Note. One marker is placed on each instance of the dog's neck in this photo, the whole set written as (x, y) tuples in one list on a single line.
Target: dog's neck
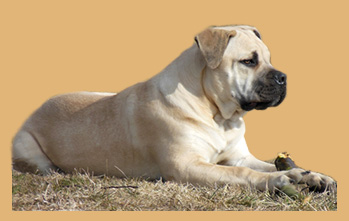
[(186, 76), (228, 108)]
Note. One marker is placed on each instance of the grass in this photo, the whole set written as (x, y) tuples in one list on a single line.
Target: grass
[(85, 192)]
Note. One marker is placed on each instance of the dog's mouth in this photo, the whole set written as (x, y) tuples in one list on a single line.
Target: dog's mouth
[(268, 91), (247, 106), (264, 104), (265, 95)]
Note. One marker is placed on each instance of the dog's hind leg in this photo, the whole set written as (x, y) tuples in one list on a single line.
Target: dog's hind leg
[(27, 155)]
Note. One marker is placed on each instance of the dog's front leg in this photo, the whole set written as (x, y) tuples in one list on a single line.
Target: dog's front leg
[(251, 162), (203, 173), (239, 155)]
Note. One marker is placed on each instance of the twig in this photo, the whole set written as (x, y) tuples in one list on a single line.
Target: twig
[(119, 187)]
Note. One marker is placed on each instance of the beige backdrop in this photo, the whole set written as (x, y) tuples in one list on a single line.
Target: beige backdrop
[(53, 47)]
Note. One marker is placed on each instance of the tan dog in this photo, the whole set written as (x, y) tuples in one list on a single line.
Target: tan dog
[(184, 124)]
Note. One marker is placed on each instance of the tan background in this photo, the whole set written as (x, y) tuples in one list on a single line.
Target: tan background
[(53, 47)]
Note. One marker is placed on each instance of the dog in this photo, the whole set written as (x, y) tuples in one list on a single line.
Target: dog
[(184, 124)]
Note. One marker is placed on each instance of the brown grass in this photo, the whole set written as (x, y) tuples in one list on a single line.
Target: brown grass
[(85, 192)]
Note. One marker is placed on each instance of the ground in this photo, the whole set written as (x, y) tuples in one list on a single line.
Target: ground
[(85, 192)]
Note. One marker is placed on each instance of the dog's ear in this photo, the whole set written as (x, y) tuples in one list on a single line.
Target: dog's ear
[(257, 34), (212, 43)]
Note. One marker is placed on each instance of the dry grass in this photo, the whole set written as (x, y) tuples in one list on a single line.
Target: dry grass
[(85, 192)]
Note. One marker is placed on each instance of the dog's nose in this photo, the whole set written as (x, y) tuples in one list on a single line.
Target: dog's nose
[(280, 78)]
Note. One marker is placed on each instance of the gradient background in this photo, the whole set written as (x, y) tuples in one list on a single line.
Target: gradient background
[(53, 47)]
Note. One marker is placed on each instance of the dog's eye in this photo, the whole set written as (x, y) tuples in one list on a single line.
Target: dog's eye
[(253, 62), (248, 62)]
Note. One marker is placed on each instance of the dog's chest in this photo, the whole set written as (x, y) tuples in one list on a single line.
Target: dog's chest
[(225, 138)]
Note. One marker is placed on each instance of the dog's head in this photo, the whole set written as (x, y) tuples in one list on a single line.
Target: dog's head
[(238, 73)]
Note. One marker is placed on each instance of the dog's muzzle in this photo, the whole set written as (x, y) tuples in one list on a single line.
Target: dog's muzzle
[(269, 90)]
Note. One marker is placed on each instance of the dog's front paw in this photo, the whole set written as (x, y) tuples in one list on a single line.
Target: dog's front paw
[(279, 180), (316, 182)]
